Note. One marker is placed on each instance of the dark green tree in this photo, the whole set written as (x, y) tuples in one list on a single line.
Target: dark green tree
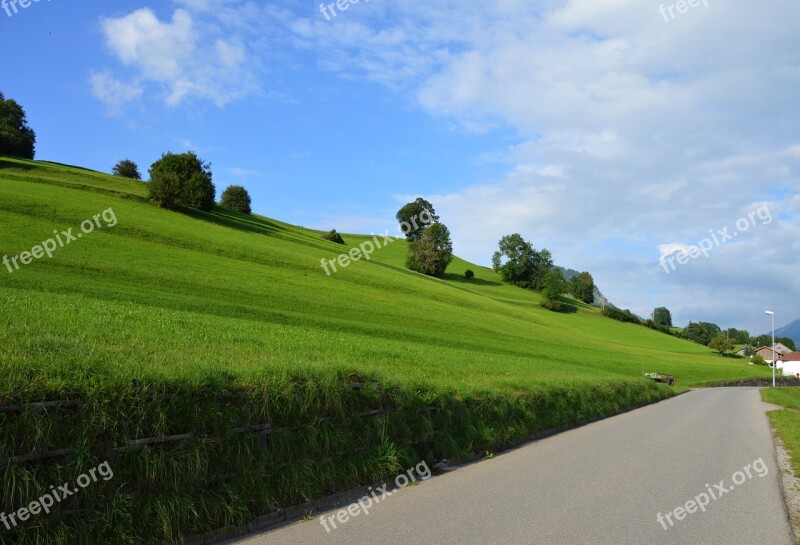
[(165, 190), (415, 217), (701, 332), (762, 340), (432, 253), (17, 139), (582, 287), (554, 286), (236, 197), (469, 274), (194, 178), (127, 169), (519, 263), (662, 316), (739, 336)]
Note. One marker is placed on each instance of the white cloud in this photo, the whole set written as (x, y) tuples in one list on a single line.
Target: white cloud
[(115, 94), (187, 57), (654, 131)]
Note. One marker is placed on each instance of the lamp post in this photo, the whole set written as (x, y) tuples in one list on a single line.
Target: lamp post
[(774, 362)]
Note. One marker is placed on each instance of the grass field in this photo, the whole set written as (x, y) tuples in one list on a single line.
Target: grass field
[(183, 308)]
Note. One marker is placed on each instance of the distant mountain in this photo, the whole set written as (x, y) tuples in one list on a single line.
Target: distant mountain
[(792, 331)]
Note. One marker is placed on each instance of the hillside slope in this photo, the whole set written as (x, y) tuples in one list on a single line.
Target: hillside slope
[(170, 293), (209, 360)]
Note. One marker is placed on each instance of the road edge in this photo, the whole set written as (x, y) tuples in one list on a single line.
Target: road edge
[(790, 485)]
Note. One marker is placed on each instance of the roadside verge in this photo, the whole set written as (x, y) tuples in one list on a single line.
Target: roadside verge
[(785, 425)]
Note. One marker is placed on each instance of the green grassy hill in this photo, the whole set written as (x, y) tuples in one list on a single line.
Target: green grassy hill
[(199, 306)]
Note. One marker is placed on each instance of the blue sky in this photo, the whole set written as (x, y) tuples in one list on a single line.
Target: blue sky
[(596, 129)]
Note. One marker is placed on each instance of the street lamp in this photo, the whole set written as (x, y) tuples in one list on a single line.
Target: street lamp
[(774, 362)]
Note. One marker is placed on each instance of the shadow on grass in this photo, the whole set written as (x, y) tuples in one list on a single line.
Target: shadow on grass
[(453, 277), (5, 163), (234, 220)]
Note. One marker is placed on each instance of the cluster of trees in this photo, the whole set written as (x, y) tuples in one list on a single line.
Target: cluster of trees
[(17, 139), (519, 263), (184, 180), (430, 248), (705, 333)]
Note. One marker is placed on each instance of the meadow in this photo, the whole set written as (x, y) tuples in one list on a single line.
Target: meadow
[(285, 384)]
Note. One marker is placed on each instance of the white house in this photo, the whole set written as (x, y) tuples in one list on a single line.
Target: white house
[(790, 364)]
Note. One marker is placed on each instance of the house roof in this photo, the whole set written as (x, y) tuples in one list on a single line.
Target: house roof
[(791, 356)]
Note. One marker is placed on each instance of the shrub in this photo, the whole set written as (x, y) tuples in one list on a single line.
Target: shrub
[(468, 274), (621, 315), (758, 360), (236, 198), (127, 169), (333, 236), (195, 188), (552, 304)]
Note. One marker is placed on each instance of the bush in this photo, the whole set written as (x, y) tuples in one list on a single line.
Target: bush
[(658, 327), (468, 274), (552, 304), (621, 315), (758, 360), (236, 198), (333, 236), (127, 169), (195, 188)]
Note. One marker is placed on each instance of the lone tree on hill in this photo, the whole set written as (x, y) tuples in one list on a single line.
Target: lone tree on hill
[(236, 197), (432, 253), (662, 316), (182, 180), (16, 137), (127, 169), (415, 217)]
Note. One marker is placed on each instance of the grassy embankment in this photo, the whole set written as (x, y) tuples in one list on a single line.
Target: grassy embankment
[(787, 422), (223, 330)]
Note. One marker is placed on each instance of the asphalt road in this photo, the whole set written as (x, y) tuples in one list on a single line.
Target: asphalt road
[(604, 483)]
